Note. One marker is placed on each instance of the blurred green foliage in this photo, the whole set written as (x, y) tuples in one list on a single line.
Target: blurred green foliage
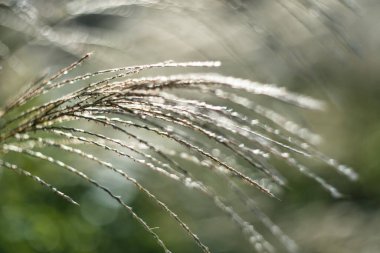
[(340, 69)]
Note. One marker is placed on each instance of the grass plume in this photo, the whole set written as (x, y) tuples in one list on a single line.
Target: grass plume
[(122, 103)]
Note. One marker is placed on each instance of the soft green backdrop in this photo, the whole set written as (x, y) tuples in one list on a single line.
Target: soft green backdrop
[(327, 50)]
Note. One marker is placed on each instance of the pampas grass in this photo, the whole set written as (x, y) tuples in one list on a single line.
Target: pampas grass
[(165, 106), (180, 123)]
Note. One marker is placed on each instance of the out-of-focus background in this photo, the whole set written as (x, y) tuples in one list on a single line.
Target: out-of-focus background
[(326, 49)]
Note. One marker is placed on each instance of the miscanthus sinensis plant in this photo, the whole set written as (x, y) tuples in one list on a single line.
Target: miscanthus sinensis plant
[(208, 121), (171, 107)]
